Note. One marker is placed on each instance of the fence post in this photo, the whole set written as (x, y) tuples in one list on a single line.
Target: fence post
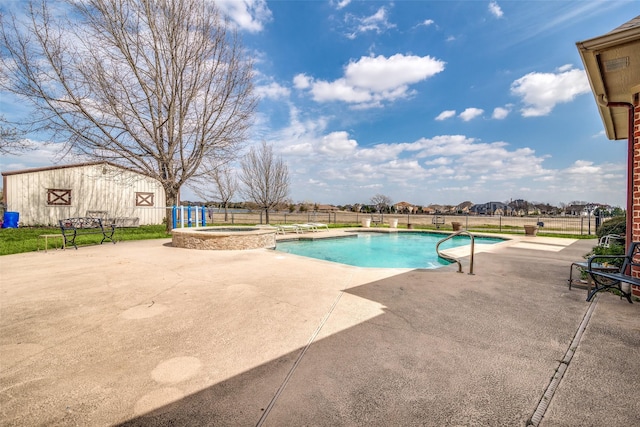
[(174, 216), (204, 218)]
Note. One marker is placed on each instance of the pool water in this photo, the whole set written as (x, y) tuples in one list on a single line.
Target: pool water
[(401, 250)]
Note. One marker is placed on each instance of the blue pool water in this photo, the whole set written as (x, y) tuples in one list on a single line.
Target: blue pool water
[(401, 250)]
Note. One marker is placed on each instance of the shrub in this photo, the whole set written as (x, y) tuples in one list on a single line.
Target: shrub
[(613, 249), (616, 225)]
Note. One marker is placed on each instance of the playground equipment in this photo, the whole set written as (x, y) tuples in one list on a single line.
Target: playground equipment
[(188, 216)]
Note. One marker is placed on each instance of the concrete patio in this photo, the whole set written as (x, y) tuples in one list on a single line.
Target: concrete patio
[(141, 333)]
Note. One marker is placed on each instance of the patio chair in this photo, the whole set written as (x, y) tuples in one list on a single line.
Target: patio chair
[(306, 227), (606, 241), (319, 225), (283, 228)]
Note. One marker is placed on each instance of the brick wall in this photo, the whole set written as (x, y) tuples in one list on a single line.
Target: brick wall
[(636, 184)]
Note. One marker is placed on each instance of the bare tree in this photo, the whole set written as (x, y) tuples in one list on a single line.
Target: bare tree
[(380, 201), (156, 86), (12, 139), (225, 186), (265, 178)]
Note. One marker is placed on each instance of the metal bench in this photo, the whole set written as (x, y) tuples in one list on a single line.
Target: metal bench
[(604, 280), (73, 227)]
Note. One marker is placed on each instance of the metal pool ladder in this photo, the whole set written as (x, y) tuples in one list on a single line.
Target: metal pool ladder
[(452, 259)]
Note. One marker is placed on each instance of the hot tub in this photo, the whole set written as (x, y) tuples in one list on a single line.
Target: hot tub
[(224, 238)]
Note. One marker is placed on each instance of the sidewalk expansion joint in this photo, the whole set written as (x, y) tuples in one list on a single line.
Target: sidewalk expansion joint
[(312, 339), (545, 401)]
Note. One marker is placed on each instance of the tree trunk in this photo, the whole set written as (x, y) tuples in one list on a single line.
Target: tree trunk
[(171, 199), (266, 215)]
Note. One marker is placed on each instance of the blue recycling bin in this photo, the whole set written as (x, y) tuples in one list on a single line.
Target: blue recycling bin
[(10, 220)]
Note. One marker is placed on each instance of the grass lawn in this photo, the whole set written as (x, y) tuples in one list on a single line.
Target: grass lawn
[(25, 239)]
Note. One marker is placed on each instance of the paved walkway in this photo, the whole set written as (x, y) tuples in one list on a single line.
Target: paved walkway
[(141, 333)]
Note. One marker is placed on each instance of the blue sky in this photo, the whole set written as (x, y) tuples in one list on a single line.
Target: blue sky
[(428, 101)]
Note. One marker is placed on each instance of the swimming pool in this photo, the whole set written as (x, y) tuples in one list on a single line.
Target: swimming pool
[(395, 250)]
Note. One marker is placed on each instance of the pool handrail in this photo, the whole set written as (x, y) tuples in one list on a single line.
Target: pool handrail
[(452, 259)]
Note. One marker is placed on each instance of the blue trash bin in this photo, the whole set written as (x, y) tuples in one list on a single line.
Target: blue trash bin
[(10, 220)]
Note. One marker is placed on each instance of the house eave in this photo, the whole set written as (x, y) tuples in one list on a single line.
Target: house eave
[(613, 85)]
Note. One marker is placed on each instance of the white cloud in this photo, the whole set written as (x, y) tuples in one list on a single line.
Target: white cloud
[(495, 9), (446, 114), (541, 92), (340, 4), (404, 169), (340, 90), (370, 81), (378, 22), (602, 179), (337, 144), (500, 113), (249, 15), (427, 22), (272, 90), (38, 154), (583, 167), (302, 81), (471, 113)]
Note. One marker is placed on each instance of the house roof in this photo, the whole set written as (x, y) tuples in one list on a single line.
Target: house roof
[(464, 205), (75, 165), (612, 65), (327, 207)]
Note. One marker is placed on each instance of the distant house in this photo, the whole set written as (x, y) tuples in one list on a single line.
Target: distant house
[(326, 208), (491, 208), (464, 207), (45, 195), (436, 209), (546, 209), (520, 207), (575, 210), (429, 210), (404, 207)]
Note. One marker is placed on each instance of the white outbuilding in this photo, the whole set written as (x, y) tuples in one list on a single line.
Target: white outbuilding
[(43, 196)]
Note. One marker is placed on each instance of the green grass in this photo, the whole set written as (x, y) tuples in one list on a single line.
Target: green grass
[(25, 239)]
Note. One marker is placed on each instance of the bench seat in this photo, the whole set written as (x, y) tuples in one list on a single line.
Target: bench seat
[(615, 279), (73, 227)]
